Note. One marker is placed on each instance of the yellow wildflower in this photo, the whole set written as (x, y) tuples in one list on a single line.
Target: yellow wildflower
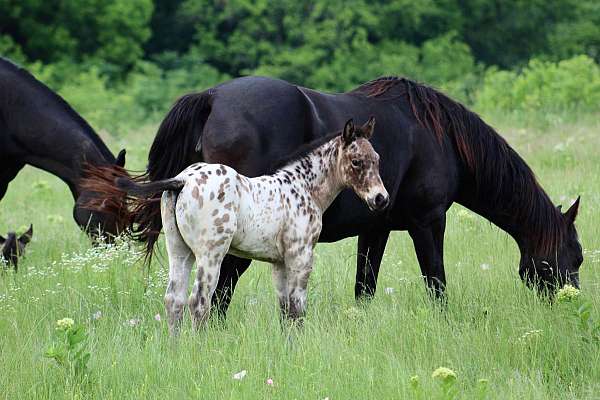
[(64, 324)]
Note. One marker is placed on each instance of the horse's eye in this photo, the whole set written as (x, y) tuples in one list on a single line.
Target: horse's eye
[(357, 163)]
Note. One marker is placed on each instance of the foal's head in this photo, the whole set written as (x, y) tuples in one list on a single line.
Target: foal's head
[(12, 247), (358, 165)]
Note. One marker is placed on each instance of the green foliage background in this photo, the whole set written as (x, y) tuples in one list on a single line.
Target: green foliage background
[(123, 62)]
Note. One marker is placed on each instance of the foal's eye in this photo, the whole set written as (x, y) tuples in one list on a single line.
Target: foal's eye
[(357, 163)]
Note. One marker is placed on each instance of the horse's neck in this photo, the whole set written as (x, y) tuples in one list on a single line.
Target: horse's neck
[(48, 135), (519, 224), (316, 174)]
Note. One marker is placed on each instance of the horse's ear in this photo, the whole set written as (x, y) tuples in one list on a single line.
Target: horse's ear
[(559, 207), (369, 127), (26, 237), (349, 132), (121, 158), (571, 213)]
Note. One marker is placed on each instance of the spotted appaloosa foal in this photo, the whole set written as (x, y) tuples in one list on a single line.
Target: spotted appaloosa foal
[(209, 210)]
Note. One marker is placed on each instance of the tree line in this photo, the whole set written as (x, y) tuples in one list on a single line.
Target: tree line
[(326, 44)]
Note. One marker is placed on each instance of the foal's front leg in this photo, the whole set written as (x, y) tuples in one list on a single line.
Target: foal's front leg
[(279, 274), (298, 266)]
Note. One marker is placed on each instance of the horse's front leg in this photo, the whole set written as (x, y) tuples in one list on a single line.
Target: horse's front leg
[(298, 266), (371, 246), (429, 246)]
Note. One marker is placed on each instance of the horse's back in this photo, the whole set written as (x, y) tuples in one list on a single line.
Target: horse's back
[(251, 120)]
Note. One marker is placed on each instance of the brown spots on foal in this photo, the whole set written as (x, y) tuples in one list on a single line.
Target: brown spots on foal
[(222, 220), (360, 165), (196, 195)]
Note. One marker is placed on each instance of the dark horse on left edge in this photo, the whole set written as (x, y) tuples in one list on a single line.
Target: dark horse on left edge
[(37, 127), (433, 152)]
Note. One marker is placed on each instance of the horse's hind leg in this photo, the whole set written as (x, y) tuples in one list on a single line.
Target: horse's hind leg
[(8, 171), (180, 264)]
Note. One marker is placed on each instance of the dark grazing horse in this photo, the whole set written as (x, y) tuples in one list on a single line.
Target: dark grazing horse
[(37, 127), (433, 152)]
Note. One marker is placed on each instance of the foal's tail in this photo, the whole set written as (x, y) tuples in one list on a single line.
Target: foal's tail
[(144, 205), (147, 189)]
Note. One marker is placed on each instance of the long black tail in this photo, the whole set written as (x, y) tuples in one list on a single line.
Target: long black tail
[(148, 189), (174, 148), (178, 136)]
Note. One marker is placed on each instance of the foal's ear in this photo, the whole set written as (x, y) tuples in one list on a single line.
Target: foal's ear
[(369, 127), (571, 213), (121, 158), (26, 237), (349, 132)]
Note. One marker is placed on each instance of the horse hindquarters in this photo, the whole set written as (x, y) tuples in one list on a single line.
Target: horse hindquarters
[(206, 219)]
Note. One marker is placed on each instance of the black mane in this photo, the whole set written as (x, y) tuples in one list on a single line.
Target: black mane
[(501, 176), (85, 127)]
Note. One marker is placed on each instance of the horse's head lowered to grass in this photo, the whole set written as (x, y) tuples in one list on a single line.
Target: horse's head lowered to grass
[(109, 216), (39, 128), (560, 265)]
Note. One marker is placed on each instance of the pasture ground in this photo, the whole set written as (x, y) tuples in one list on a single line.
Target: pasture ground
[(501, 340)]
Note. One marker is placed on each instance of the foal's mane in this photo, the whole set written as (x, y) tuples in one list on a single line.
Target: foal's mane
[(301, 151), (502, 177), (82, 123)]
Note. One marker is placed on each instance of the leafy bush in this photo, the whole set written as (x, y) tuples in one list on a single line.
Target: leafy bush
[(104, 108), (144, 97), (156, 85), (10, 49), (571, 85)]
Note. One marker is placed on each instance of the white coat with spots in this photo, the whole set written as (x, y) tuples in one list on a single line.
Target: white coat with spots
[(211, 210)]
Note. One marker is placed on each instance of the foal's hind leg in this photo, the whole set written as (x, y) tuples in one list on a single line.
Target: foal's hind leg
[(180, 264), (208, 261)]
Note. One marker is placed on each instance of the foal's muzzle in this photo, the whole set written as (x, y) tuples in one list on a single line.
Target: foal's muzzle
[(379, 202)]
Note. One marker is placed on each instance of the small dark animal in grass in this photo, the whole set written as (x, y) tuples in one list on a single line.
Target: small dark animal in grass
[(434, 152), (39, 128), (13, 247)]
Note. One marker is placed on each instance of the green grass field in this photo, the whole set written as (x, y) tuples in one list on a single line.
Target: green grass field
[(499, 338)]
